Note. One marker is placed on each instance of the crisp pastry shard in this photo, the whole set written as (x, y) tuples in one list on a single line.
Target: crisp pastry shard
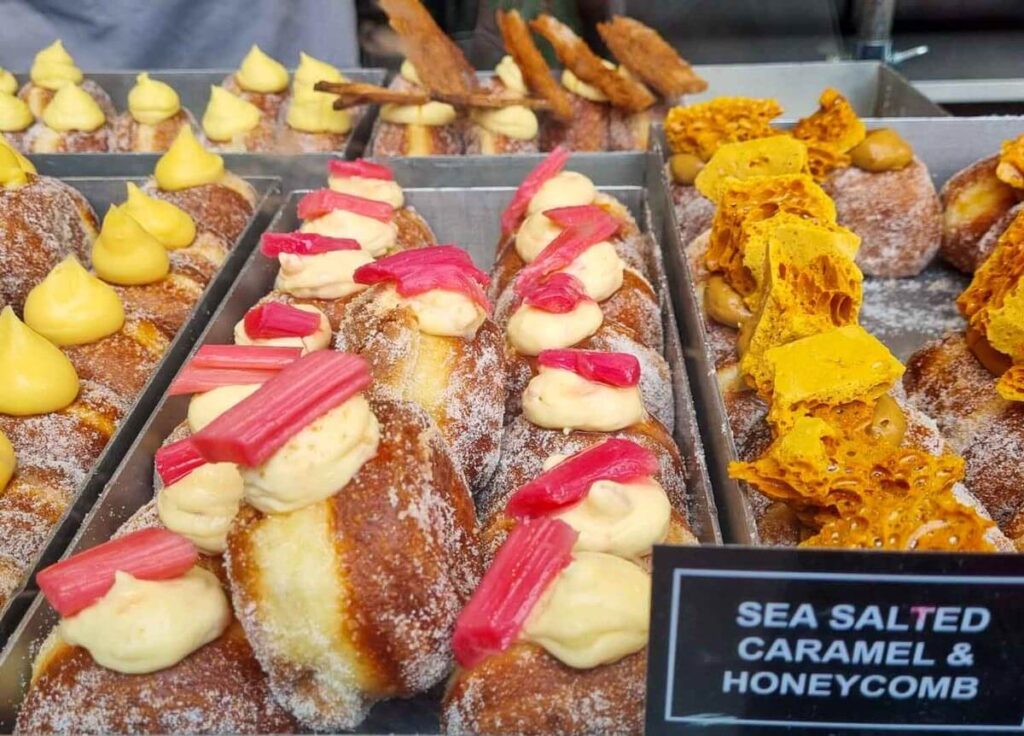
[(748, 201), (574, 53), (644, 52), (519, 44), (701, 129), (438, 59)]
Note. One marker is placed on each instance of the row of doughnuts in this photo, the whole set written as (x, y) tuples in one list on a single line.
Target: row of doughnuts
[(437, 105), (327, 561), (259, 107), (825, 435), (88, 313), (881, 190)]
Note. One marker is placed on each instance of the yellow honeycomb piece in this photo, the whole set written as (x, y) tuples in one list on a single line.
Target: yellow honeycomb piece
[(807, 291), (784, 226), (772, 156), (1006, 323), (1011, 384), (751, 200), (700, 129), (997, 277), (824, 158), (1010, 168), (834, 123)]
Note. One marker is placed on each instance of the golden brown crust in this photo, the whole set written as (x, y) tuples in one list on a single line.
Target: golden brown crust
[(694, 211), (526, 691), (43, 139), (574, 53), (41, 223), (895, 213), (402, 534), (973, 201), (629, 131), (946, 381), (519, 44), (438, 59), (644, 52), (393, 139), (460, 383), (220, 688), (588, 130), (215, 207), (132, 136)]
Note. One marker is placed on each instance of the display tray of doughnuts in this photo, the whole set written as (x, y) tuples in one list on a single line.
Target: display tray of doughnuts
[(122, 332), (405, 694), (912, 244), (261, 106)]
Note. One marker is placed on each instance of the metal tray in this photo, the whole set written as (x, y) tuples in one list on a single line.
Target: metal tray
[(101, 193), (903, 313), (193, 87), (448, 211), (873, 89)]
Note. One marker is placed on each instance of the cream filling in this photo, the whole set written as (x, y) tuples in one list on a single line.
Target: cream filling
[(143, 626), (379, 190), (431, 114), (561, 399), (531, 330), (511, 76), (202, 505), (535, 234), (596, 612), (322, 276), (443, 312), (578, 87), (599, 269), (408, 72), (207, 406), (374, 236), (319, 340), (516, 121), (621, 519), (317, 462), (566, 189)]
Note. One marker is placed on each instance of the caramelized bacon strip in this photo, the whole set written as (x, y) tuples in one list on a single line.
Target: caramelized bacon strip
[(536, 72), (645, 53), (585, 64)]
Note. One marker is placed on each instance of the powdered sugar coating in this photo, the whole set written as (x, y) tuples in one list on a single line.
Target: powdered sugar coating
[(896, 214), (41, 223)]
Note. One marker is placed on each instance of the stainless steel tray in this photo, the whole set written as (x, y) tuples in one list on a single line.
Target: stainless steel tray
[(101, 193), (873, 89), (462, 215), (903, 313), (193, 87)]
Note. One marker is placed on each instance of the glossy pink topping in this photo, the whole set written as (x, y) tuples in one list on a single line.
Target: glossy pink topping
[(214, 366), (176, 460), (566, 248), (575, 215), (549, 167), (360, 167), (567, 483), (255, 428), (303, 244), (324, 201), (274, 319), (421, 270), (150, 554), (558, 293), (528, 562), (621, 370)]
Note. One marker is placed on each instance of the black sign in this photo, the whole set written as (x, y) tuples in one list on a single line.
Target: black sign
[(745, 638)]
